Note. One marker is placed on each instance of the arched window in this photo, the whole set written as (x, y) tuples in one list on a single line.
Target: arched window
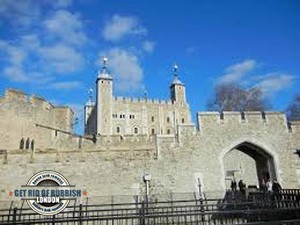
[(168, 119), (182, 120), (27, 143), (135, 130), (22, 143), (118, 130), (152, 119), (32, 145), (152, 131), (168, 131)]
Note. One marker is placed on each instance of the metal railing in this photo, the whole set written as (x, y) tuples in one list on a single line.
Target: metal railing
[(258, 208)]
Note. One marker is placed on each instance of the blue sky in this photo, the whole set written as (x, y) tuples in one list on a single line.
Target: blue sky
[(53, 48)]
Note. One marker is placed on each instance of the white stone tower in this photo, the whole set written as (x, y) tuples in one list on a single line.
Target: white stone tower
[(177, 89), (104, 101)]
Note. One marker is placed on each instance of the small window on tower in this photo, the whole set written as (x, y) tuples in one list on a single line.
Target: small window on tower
[(182, 120), (152, 119), (152, 131), (136, 131), (118, 130), (168, 119), (168, 131)]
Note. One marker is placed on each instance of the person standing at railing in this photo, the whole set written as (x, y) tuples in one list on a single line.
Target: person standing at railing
[(263, 186), (242, 187), (276, 187), (269, 185), (233, 185)]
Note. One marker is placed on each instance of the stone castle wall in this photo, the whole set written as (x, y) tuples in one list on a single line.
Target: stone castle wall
[(115, 165), (32, 118)]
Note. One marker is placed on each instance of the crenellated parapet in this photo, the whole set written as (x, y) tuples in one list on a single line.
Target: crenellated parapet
[(142, 100), (40, 102), (294, 126), (16, 95), (255, 119), (29, 122)]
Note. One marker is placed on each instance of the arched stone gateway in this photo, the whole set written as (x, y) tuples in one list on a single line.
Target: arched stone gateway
[(249, 162)]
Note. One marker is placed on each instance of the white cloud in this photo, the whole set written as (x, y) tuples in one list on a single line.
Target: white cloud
[(125, 69), (66, 85), (17, 13), (52, 50), (120, 26), (274, 82), (148, 46), (15, 58), (269, 83), (16, 55), (38, 59), (28, 13), (62, 58), (236, 72), (67, 27), (30, 42), (15, 74)]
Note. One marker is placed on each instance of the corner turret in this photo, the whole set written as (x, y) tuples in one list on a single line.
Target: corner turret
[(104, 101), (177, 89)]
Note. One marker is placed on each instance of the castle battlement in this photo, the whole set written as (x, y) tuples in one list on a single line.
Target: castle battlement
[(40, 102), (207, 120), (294, 126), (142, 100), (14, 94)]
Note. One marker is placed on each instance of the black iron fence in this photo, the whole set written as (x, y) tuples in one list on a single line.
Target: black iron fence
[(234, 208)]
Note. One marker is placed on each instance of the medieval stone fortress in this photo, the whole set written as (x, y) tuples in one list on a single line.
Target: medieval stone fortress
[(130, 141), (125, 116)]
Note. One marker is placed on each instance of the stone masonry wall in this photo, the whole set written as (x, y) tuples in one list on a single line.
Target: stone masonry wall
[(32, 119), (116, 166)]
